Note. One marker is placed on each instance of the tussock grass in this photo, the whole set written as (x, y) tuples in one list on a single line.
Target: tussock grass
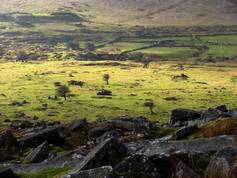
[(214, 128)]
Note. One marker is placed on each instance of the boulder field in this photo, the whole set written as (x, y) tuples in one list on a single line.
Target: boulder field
[(122, 147)]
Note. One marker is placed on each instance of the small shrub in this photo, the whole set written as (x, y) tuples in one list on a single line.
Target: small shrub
[(62, 91), (104, 92), (78, 83), (149, 104), (106, 78)]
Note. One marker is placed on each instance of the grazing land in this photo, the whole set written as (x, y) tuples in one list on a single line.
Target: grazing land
[(118, 88), (32, 84)]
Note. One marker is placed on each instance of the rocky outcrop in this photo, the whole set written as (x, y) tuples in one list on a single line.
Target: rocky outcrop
[(204, 145), (233, 113), (139, 124), (179, 116), (97, 132), (109, 152), (38, 154), (53, 135), (117, 148), (117, 134), (22, 124), (137, 166), (187, 117), (7, 173), (223, 164), (66, 159), (6, 156), (212, 114), (8, 141), (183, 171), (185, 131), (77, 125)]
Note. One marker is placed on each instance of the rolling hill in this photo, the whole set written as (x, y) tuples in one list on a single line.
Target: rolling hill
[(136, 12)]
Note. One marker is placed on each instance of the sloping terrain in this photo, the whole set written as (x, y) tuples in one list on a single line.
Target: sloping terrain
[(136, 12)]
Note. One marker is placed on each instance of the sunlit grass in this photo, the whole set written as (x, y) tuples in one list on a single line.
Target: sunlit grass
[(208, 86)]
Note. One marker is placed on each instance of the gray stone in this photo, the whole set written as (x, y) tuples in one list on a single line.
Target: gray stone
[(38, 154), (7, 173), (185, 131), (137, 166), (78, 124), (8, 141), (233, 113), (183, 171), (212, 114), (110, 134), (139, 124), (203, 145), (23, 124), (183, 115), (53, 135), (109, 152)]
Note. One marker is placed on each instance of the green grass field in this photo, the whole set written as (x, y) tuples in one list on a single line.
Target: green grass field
[(218, 46), (208, 86), (171, 53)]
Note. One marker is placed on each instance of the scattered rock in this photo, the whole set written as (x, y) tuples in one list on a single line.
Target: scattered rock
[(77, 124), (223, 164), (104, 93), (138, 125), (182, 77), (204, 145), (185, 131), (183, 171), (101, 172), (233, 113), (6, 120), (97, 132), (8, 141), (137, 166), (166, 163), (53, 135), (6, 156), (183, 115), (7, 173), (109, 152), (212, 114), (110, 134), (22, 124), (38, 154), (172, 98), (18, 103), (222, 108)]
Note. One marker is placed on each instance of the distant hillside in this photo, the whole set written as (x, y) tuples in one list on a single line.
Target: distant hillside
[(136, 12)]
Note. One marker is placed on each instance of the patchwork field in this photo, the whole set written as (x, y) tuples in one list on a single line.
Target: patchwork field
[(26, 87)]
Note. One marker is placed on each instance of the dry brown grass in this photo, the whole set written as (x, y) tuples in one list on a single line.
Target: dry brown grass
[(226, 126)]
